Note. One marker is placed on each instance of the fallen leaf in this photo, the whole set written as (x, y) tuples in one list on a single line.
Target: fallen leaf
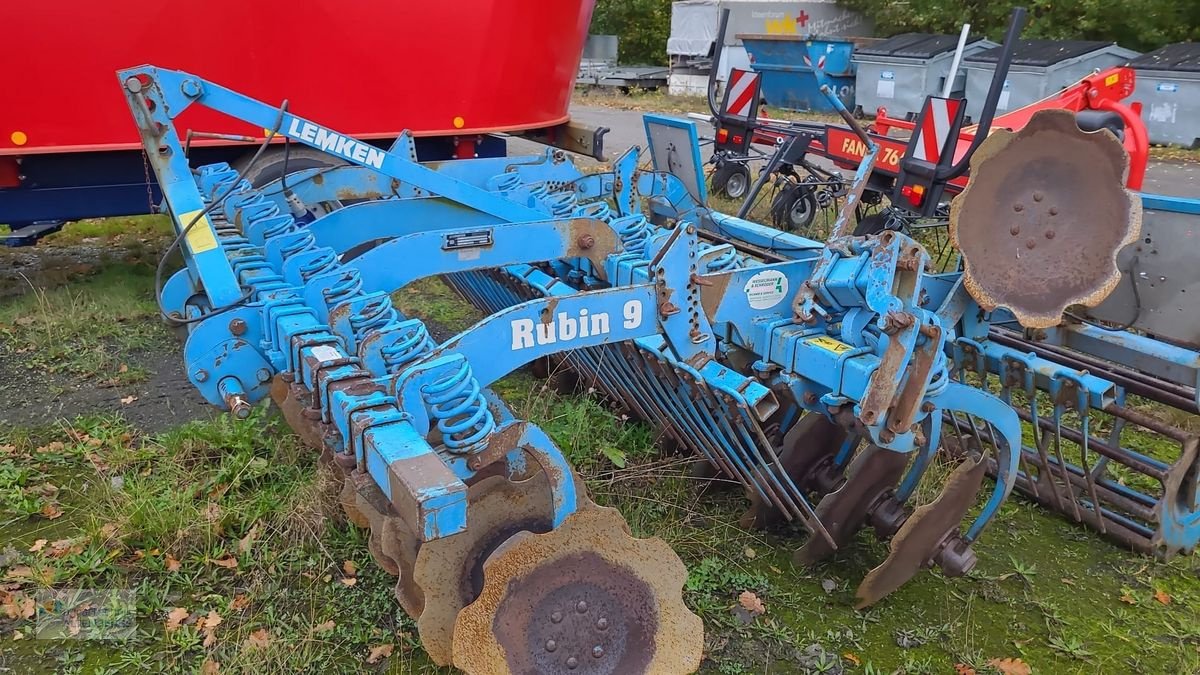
[(51, 511), (24, 321), (379, 653), (1010, 666), (963, 669), (258, 639), (324, 627), (20, 572), (751, 603), (37, 545), (349, 581), (750, 553), (124, 368), (128, 399), (176, 617), (173, 565), (1162, 596), (210, 638), (18, 635), (1067, 581), (240, 602), (210, 667), (228, 562), (349, 568), (62, 547), (828, 585), (212, 620), (1128, 599), (108, 530), (247, 541), (852, 658), (212, 512)]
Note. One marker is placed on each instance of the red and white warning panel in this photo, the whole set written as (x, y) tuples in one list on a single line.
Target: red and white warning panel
[(937, 121), (743, 89)]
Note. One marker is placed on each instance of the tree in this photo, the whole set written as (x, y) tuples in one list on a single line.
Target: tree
[(1137, 24), (642, 26)]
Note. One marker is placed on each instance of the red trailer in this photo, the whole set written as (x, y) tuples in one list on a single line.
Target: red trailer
[(453, 73)]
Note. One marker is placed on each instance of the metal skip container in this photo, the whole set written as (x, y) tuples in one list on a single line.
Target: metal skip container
[(1168, 86), (793, 69), (899, 72), (1039, 69)]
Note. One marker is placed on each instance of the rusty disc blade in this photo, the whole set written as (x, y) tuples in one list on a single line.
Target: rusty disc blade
[(1043, 217), (449, 571), (916, 542), (392, 542), (584, 598), (811, 441), (874, 472)]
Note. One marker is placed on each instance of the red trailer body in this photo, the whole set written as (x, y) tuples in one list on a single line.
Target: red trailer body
[(369, 68)]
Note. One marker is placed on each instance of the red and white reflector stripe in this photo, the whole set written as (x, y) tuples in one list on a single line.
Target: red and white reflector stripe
[(935, 127), (820, 62), (742, 86)]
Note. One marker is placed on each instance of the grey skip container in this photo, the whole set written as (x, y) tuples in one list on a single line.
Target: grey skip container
[(1039, 69), (899, 72), (1168, 86)]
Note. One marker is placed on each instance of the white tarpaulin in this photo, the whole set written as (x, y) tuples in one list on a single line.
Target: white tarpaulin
[(693, 27)]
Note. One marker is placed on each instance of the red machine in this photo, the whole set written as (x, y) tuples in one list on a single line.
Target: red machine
[(449, 72)]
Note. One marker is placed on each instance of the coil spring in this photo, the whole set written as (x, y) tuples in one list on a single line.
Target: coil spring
[(325, 262), (560, 204), (376, 315), (457, 403), (633, 231), (346, 287), (503, 183), (299, 245), (597, 210), (729, 260), (414, 344), (941, 375)]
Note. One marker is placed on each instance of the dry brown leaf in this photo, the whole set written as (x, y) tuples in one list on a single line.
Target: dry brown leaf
[(20, 572), (751, 603), (240, 602), (128, 399), (64, 547), (212, 620), (1010, 666), (258, 639), (852, 658), (1162, 597), (108, 530), (750, 553), (379, 653), (210, 667), (210, 638), (963, 669), (124, 368), (1128, 599), (173, 565), (324, 627), (228, 562), (176, 617), (349, 581), (37, 545), (51, 511), (18, 606), (247, 541), (349, 568), (18, 635)]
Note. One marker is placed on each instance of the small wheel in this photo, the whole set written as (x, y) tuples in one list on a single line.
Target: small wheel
[(795, 208), (270, 167), (739, 182)]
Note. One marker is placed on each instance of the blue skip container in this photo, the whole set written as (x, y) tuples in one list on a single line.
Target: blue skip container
[(793, 69)]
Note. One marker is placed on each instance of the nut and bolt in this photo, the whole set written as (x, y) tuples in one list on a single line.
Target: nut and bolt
[(201, 375), (237, 327), (586, 241), (264, 375)]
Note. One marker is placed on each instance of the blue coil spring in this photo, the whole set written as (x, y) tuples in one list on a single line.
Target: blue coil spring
[(560, 204), (729, 260), (375, 316), (346, 287), (504, 183), (325, 262), (457, 403), (414, 344), (634, 231), (597, 210)]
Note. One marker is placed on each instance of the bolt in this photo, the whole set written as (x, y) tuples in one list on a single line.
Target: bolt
[(1018, 207), (239, 406), (1014, 230), (810, 398), (581, 607), (1049, 234), (1030, 244), (1038, 196), (237, 327), (201, 375), (264, 375), (597, 651), (190, 88), (133, 84), (556, 617), (602, 624), (1054, 210), (887, 436), (572, 663), (551, 645), (586, 241), (927, 407)]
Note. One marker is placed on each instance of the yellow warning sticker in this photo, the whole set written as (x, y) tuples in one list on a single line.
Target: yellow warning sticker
[(829, 344), (1112, 79), (200, 237)]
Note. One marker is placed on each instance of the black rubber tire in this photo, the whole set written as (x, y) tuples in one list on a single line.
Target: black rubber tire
[(270, 166), (802, 211), (872, 224), (726, 171)]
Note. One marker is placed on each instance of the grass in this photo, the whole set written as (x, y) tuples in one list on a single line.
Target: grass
[(93, 331), (233, 519)]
